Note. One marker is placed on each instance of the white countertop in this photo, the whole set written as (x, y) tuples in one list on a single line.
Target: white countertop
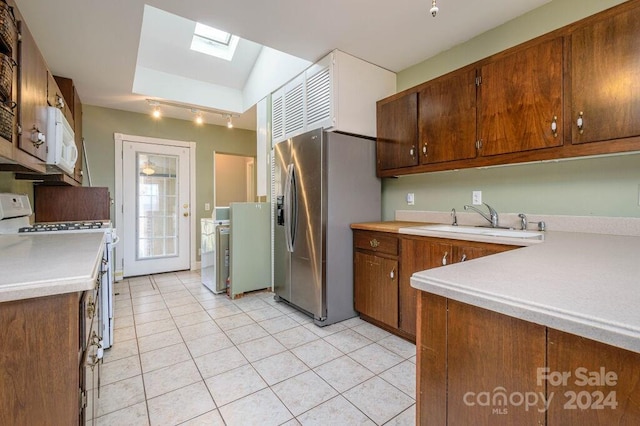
[(581, 283), (36, 265)]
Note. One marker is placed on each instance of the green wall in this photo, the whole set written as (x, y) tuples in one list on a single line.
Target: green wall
[(598, 186), (100, 124)]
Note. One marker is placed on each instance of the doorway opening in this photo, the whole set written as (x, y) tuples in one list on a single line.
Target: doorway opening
[(234, 179)]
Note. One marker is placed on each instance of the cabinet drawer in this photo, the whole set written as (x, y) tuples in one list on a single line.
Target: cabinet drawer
[(376, 241)]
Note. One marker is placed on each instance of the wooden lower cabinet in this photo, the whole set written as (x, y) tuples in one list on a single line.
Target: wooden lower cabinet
[(384, 263), (45, 344), (376, 288), (479, 367), (604, 391)]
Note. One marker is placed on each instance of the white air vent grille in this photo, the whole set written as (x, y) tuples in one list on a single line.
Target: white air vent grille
[(319, 97), (294, 110), (277, 118)]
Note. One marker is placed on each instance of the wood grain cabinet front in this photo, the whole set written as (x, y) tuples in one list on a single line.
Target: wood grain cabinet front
[(39, 383), (605, 78), (520, 100), (397, 132), (376, 287), (383, 265), (447, 118), (480, 367)]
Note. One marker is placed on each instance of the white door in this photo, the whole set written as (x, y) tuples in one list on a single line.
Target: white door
[(156, 208)]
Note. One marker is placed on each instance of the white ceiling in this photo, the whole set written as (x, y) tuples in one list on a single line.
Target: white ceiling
[(98, 43)]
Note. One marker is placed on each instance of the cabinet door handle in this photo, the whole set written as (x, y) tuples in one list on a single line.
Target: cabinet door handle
[(444, 258), (374, 243), (392, 274), (412, 151), (554, 126), (463, 258), (580, 122), (424, 149), (91, 308)]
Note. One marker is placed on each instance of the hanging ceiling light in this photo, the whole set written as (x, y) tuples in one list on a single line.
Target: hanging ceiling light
[(229, 122), (147, 168), (434, 9)]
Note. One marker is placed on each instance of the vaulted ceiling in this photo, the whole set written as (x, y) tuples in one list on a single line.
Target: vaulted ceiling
[(107, 47)]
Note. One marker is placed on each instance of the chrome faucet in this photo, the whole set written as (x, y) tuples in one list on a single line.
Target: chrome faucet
[(492, 218), (523, 221), (454, 218)]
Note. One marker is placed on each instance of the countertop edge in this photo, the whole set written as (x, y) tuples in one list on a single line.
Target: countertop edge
[(604, 332), (49, 287)]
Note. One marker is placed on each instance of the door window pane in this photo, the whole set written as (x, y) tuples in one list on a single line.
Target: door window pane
[(157, 206)]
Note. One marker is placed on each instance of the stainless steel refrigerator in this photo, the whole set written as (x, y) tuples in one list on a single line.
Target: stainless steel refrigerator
[(323, 181)]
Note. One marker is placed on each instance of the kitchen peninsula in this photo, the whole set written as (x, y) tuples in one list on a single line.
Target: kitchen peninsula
[(547, 333), (49, 292)]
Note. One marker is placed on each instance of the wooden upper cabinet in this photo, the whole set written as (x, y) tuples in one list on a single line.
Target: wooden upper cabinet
[(397, 122), (605, 78), (56, 98), (32, 95), (520, 99), (447, 118)]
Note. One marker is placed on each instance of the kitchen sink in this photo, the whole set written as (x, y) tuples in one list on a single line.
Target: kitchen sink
[(473, 230)]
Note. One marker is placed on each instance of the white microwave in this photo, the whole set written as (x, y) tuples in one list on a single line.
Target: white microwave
[(61, 141)]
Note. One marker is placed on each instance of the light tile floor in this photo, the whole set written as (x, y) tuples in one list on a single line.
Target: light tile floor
[(183, 355)]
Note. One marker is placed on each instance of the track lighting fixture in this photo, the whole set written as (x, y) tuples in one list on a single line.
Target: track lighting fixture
[(198, 112), (198, 119)]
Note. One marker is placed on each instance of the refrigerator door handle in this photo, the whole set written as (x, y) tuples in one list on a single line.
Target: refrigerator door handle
[(289, 212)]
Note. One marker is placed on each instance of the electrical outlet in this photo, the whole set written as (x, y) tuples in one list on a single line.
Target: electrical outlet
[(411, 199), (476, 198), (207, 207)]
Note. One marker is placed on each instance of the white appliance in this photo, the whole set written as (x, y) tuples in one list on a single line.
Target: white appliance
[(14, 219), (61, 143), (214, 261)]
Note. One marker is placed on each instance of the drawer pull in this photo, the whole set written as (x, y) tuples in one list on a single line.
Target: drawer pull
[(374, 243), (444, 258), (392, 274), (463, 258)]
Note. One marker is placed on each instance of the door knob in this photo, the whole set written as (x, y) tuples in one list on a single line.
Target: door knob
[(185, 214)]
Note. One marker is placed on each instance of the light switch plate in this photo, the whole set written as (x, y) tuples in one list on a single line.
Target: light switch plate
[(207, 207)]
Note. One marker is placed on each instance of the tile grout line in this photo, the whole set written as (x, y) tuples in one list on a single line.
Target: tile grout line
[(245, 310)]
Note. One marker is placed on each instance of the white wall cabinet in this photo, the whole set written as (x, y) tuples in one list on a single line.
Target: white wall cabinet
[(339, 92)]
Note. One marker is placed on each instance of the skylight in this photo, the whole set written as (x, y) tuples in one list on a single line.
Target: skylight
[(214, 42)]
